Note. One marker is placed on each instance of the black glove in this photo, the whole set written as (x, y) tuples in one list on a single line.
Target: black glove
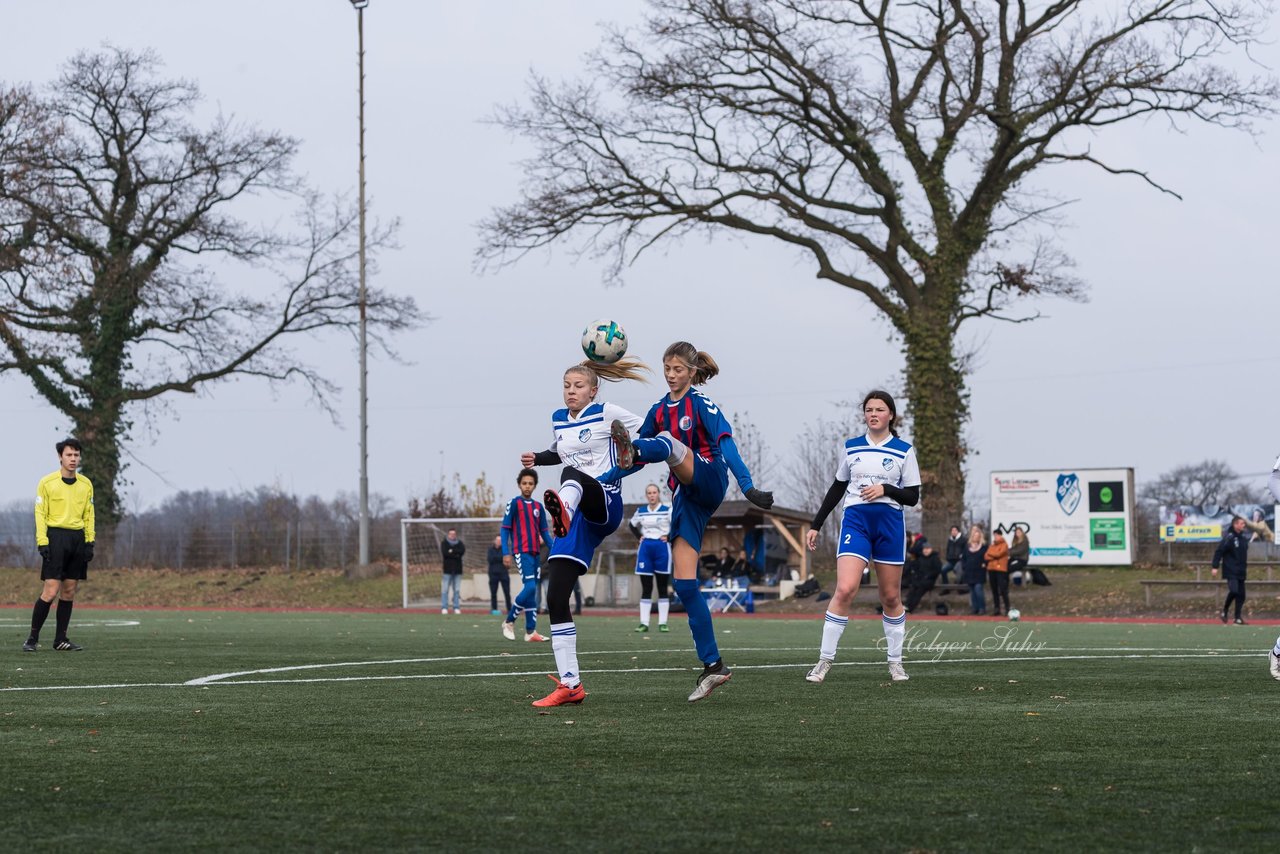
[(44, 552), (88, 552), (760, 498)]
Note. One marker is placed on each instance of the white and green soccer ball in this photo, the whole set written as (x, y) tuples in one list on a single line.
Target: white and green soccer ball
[(1014, 615), (604, 341)]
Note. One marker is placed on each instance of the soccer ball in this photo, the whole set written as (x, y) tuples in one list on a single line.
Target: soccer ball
[(1014, 615), (604, 341)]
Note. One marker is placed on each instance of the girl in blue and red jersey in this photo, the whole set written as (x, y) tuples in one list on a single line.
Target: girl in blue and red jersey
[(688, 432), (524, 530)]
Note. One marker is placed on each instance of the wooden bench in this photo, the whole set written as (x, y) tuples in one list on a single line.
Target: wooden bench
[(1200, 580)]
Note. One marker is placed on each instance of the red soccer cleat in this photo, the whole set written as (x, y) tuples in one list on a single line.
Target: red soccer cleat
[(534, 637), (556, 510), (563, 695)]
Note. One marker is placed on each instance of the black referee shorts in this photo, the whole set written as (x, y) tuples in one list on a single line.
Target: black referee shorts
[(67, 558)]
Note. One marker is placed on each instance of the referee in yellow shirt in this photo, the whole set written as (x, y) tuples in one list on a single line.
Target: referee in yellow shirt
[(64, 537)]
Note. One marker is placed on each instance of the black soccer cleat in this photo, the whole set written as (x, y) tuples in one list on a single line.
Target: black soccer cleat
[(30, 645), (66, 645)]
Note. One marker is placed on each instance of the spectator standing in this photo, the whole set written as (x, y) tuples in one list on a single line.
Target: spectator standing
[(64, 538), (1233, 555), (998, 573), (955, 553), (1019, 556), (974, 570), (498, 576), (451, 551)]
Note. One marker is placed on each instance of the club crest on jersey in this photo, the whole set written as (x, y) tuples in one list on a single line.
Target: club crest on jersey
[(887, 463), (685, 422), (584, 434), (1068, 493)]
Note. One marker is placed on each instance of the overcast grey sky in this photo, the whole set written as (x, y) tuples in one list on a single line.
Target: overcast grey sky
[(1173, 360)]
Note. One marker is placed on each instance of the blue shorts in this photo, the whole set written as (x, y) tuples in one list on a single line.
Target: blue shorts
[(585, 536), (654, 557), (693, 504), (873, 532), (528, 566)]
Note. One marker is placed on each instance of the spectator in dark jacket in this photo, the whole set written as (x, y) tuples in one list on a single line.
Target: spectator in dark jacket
[(498, 577), (1019, 556), (928, 568), (974, 570), (1233, 554), (955, 552), (451, 551)]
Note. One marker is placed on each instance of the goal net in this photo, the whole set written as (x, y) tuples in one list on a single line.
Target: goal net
[(420, 561)]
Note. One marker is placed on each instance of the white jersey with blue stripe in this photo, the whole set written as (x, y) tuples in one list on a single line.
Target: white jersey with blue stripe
[(583, 441), (865, 463), (653, 524)]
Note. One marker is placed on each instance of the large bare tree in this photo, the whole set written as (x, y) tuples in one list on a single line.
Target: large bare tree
[(129, 268), (888, 142)]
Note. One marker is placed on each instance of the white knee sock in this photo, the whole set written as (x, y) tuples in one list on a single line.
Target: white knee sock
[(895, 631), (1275, 649), (664, 607), (646, 608), (570, 496), (564, 643), (832, 628)]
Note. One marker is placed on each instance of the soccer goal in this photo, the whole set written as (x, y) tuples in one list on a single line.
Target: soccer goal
[(420, 560)]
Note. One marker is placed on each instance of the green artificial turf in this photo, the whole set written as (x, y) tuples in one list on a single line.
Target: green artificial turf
[(1108, 736)]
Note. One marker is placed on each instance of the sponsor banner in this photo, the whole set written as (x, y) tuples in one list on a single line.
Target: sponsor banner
[(1070, 516), (1206, 523)]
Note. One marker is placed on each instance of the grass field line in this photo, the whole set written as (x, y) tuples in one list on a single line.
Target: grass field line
[(88, 624), (236, 678)]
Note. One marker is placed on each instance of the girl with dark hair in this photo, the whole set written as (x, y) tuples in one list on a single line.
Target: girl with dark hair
[(584, 511), (688, 432), (877, 476)]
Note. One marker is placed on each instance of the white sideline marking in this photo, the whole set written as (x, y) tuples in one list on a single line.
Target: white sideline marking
[(87, 624), (232, 678)]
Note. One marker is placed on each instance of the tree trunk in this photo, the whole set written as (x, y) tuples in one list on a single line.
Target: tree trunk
[(101, 431), (938, 403)]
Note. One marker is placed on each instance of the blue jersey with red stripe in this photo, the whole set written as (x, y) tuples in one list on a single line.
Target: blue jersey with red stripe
[(524, 527), (694, 420)]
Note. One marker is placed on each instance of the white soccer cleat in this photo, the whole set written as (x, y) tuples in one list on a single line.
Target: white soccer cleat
[(896, 673), (819, 671), (508, 630), (534, 637), (1275, 665)]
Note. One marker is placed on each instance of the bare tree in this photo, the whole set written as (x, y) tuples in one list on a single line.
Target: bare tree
[(755, 452), (889, 143), (119, 221), (1205, 484)]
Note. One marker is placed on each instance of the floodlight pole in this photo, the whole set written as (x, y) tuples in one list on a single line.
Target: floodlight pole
[(359, 6)]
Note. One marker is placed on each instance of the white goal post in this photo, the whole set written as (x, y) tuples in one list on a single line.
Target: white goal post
[(420, 562), (608, 582)]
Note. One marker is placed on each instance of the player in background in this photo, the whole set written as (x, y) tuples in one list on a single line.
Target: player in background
[(585, 510), (524, 530), (64, 538), (877, 476), (652, 524), (688, 432), (1274, 484)]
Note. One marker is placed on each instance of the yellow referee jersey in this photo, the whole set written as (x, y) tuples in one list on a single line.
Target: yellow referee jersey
[(63, 505)]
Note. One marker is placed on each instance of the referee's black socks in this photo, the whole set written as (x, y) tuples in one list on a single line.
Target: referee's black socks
[(63, 618), (39, 614)]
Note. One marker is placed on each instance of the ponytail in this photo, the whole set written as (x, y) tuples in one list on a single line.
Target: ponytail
[(623, 369), (699, 362)]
